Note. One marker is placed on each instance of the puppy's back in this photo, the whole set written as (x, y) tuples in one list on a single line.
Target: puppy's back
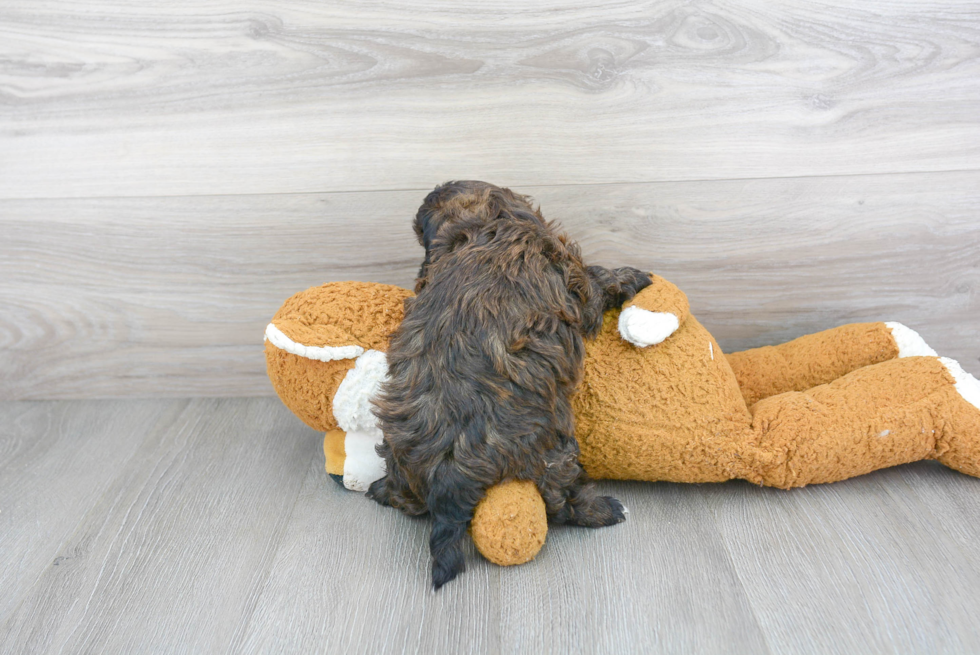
[(481, 370)]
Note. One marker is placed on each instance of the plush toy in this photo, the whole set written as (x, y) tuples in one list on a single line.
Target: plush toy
[(658, 401)]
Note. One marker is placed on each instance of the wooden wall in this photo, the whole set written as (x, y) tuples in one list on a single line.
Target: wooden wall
[(171, 171)]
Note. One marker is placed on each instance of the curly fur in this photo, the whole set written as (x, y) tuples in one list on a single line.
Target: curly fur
[(483, 366)]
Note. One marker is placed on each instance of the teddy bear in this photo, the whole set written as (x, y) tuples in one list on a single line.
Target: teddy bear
[(658, 400)]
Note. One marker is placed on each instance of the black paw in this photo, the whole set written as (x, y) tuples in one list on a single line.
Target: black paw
[(617, 513), (600, 512), (637, 280), (378, 492)]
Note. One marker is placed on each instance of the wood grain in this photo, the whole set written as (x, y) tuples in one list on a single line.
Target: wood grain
[(171, 172), (170, 296), (954, 509), (662, 582), (56, 462), (172, 555), (140, 99), (861, 565), (210, 526), (353, 576)]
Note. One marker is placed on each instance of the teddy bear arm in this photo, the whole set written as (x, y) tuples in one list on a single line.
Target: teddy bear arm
[(654, 313)]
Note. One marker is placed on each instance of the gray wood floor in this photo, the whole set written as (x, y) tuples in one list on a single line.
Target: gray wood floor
[(159, 526)]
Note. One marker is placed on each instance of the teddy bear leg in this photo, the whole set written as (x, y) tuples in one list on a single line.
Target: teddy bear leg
[(898, 411), (334, 454), (822, 357), (351, 458), (959, 447)]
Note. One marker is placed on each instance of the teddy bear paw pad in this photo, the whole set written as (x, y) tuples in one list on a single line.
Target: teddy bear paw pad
[(909, 343)]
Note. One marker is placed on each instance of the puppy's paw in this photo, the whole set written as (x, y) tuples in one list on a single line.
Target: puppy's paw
[(644, 328), (617, 511), (633, 280), (599, 513), (378, 492)]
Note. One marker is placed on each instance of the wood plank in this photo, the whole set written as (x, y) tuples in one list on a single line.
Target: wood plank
[(210, 526), (765, 261), (855, 566), (56, 462), (662, 582), (353, 576), (171, 557), (141, 99), (170, 296), (953, 504)]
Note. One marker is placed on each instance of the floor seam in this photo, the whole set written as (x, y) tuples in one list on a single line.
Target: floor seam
[(424, 189)]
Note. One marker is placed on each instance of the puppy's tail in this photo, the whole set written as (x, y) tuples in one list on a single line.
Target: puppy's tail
[(452, 499)]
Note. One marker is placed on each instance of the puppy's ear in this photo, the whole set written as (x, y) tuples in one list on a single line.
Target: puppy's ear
[(430, 217), (426, 226)]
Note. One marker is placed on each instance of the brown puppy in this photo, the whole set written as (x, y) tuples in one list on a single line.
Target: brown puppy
[(482, 368)]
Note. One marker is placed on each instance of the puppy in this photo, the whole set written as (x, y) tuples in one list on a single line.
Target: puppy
[(482, 368)]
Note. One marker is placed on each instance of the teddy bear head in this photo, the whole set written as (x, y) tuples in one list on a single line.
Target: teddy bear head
[(325, 357)]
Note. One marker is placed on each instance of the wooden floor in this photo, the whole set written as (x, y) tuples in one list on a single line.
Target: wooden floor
[(209, 526), (171, 171)]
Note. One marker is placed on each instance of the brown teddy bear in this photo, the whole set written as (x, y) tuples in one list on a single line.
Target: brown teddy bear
[(658, 401)]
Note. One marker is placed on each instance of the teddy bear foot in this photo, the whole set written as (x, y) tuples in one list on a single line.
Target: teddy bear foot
[(967, 385), (510, 524), (908, 341), (959, 447)]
